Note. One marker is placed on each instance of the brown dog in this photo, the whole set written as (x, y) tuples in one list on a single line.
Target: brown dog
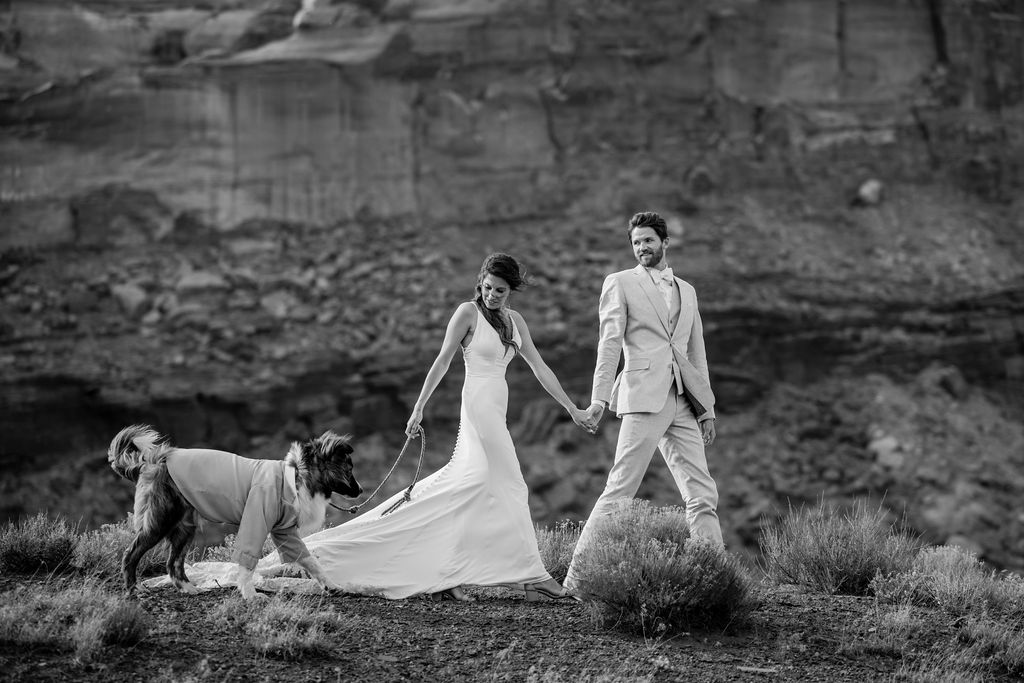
[(178, 489)]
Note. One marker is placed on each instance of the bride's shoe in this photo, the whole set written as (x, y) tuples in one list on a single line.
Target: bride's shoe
[(538, 592), (455, 593)]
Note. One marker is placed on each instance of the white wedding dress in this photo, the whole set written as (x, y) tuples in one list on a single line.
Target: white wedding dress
[(467, 523)]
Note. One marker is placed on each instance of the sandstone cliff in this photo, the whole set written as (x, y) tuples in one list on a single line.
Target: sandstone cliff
[(244, 231)]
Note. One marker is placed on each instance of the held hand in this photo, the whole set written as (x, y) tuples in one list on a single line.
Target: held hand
[(596, 412), (412, 427), (707, 430), (582, 419)]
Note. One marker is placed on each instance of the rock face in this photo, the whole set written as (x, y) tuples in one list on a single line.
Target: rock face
[(493, 110), (249, 221)]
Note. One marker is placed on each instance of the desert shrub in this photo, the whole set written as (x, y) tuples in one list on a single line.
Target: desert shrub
[(946, 577), (36, 543), (98, 553), (985, 649), (83, 619), (285, 628), (643, 574), (997, 646), (954, 580), (556, 546), (990, 607), (1008, 597), (835, 551)]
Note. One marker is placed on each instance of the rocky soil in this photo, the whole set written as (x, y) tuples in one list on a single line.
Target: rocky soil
[(794, 636)]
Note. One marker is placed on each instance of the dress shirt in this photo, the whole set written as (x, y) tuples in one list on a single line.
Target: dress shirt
[(665, 282)]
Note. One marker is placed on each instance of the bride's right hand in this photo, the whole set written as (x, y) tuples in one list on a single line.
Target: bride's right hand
[(412, 427)]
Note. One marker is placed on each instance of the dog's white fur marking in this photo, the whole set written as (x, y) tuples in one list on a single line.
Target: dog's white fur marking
[(312, 511), (245, 584), (311, 508)]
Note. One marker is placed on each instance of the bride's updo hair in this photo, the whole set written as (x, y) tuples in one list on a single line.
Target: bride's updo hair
[(507, 268)]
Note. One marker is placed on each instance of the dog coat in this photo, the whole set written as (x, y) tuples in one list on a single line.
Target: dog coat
[(253, 495)]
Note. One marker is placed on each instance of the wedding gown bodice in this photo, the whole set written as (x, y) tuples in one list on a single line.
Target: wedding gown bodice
[(485, 356)]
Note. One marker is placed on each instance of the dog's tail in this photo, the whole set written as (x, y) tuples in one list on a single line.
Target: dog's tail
[(135, 447)]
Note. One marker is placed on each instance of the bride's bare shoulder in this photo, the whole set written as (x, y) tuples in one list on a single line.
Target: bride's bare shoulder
[(465, 313), (465, 308)]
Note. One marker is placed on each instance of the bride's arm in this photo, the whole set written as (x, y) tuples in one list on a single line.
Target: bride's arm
[(545, 375), (458, 328)]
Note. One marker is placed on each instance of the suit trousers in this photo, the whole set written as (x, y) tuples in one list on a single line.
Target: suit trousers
[(674, 430)]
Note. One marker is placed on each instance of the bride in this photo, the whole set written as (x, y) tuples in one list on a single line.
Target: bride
[(469, 522)]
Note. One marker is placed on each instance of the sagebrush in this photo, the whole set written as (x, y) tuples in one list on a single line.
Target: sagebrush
[(644, 574)]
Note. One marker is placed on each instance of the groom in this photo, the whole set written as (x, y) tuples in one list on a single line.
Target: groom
[(663, 394)]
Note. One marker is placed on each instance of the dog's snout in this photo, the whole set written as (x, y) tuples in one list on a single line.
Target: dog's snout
[(350, 488)]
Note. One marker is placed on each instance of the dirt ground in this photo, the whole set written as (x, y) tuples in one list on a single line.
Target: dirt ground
[(792, 636)]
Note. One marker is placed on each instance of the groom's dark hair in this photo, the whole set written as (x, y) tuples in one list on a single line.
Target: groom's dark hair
[(648, 219)]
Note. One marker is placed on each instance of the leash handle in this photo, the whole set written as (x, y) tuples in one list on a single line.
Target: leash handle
[(408, 492)]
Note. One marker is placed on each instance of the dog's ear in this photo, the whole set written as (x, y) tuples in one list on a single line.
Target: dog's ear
[(333, 444)]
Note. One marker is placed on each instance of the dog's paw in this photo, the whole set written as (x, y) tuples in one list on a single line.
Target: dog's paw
[(250, 593), (189, 588)]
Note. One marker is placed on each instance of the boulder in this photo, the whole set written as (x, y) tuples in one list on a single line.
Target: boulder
[(132, 298)]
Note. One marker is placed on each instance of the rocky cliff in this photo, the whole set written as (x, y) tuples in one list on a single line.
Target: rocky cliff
[(246, 221)]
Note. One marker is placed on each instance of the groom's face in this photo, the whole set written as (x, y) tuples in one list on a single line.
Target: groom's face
[(648, 248)]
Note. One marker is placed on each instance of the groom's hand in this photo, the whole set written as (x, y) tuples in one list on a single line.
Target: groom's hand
[(596, 412), (707, 430)]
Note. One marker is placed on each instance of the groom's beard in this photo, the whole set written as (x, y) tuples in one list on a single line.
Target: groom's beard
[(652, 259)]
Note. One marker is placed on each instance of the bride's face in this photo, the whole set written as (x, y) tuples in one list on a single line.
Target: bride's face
[(495, 291)]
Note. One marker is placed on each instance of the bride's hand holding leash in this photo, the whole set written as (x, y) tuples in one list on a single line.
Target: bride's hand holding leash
[(412, 427), (413, 430)]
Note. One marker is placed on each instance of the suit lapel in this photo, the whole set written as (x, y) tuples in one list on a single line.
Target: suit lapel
[(658, 301)]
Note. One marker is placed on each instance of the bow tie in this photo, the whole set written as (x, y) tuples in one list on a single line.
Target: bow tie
[(661, 275)]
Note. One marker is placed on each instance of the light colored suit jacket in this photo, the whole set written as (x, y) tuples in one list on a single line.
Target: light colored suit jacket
[(635, 321)]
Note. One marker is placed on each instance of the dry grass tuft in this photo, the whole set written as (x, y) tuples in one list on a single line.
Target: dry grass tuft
[(285, 628), (556, 546), (35, 544), (996, 645), (98, 553), (834, 551), (989, 607), (955, 581), (84, 619)]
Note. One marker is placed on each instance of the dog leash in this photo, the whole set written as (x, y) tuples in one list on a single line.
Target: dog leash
[(408, 492)]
